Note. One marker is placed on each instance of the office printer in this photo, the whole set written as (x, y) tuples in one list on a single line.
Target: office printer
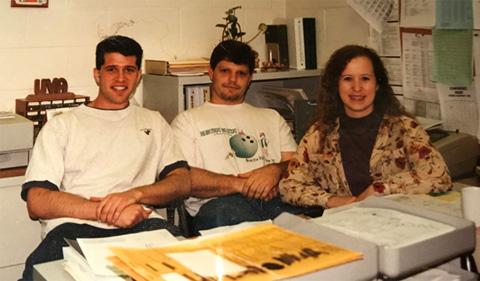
[(459, 150), (16, 141)]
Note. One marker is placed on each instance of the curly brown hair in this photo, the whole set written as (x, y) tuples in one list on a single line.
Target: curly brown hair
[(330, 105)]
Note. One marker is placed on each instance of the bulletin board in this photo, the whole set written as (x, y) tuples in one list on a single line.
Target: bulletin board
[(420, 95), (418, 69)]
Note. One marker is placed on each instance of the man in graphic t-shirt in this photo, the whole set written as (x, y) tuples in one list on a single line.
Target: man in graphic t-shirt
[(237, 152)]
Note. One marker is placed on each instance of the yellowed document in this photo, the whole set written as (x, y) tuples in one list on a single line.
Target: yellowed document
[(448, 203), (262, 252)]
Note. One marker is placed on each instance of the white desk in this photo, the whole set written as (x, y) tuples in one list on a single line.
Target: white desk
[(361, 270), (358, 270), (53, 271)]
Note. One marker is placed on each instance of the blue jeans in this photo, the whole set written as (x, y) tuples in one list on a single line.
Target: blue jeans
[(234, 209), (50, 248)]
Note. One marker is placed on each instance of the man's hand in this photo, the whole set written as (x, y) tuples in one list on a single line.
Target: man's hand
[(262, 183), (112, 205), (132, 215)]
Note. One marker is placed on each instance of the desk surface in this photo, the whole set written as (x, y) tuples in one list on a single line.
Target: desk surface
[(361, 270), (53, 271)]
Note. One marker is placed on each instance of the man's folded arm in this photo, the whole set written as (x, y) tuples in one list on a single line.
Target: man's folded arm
[(45, 203), (172, 184), (207, 184)]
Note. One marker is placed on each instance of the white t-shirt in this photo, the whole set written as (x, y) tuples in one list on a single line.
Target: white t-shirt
[(231, 139), (93, 152)]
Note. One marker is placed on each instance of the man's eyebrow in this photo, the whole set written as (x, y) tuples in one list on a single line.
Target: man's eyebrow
[(116, 65)]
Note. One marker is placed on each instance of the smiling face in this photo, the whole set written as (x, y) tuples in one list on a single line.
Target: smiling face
[(117, 79), (357, 87), (229, 82)]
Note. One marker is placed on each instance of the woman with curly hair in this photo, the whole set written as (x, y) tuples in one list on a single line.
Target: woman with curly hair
[(363, 142)]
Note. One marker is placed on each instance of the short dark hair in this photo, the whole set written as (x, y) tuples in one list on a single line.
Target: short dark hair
[(233, 51), (118, 44)]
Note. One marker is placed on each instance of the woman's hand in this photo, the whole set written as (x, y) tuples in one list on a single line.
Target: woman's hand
[(366, 193), (337, 201)]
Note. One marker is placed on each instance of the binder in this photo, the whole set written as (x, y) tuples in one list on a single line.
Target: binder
[(310, 44), (191, 94), (196, 95), (299, 44), (305, 46)]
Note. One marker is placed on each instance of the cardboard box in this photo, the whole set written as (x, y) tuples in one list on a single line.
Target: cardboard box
[(159, 67)]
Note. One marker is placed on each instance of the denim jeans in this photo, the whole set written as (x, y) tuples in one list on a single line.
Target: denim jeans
[(50, 248), (234, 209)]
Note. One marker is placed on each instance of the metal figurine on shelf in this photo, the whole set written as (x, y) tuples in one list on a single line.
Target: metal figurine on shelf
[(232, 28)]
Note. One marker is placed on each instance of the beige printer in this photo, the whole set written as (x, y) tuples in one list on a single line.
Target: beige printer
[(459, 150), (16, 141)]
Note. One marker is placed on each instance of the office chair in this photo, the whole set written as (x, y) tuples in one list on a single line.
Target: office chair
[(184, 219), (304, 113), (467, 262)]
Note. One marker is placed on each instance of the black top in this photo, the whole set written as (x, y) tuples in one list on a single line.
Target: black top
[(357, 138)]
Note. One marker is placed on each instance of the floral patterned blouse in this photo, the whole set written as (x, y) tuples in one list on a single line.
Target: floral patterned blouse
[(403, 160)]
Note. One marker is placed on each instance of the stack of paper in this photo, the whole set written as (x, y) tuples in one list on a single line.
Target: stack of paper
[(262, 252), (177, 68), (188, 67), (384, 227), (407, 235), (448, 203), (87, 258), (77, 266)]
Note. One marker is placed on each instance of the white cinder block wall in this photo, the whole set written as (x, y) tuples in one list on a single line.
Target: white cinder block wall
[(59, 41)]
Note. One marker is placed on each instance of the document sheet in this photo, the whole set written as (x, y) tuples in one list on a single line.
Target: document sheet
[(96, 250), (384, 227), (263, 252), (449, 203)]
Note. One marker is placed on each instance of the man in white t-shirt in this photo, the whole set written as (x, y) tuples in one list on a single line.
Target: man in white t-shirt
[(95, 168), (237, 152)]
